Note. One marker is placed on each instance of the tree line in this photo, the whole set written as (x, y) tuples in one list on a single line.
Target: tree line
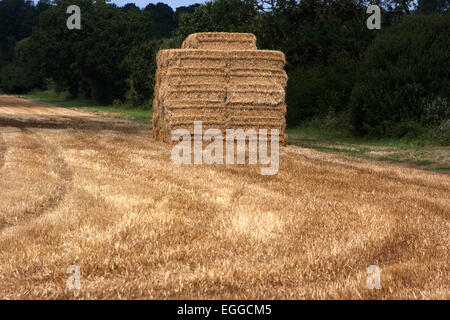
[(388, 82)]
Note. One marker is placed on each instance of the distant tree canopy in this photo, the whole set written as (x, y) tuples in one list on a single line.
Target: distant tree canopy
[(218, 16), (22, 74), (433, 6), (17, 17), (165, 19), (404, 78), (87, 61)]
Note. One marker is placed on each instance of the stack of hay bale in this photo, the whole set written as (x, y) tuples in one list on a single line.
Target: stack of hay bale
[(222, 80)]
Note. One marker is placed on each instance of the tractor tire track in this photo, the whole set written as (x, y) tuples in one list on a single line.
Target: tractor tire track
[(52, 200), (3, 149), (62, 170)]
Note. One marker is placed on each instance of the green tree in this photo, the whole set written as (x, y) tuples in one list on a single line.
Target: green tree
[(17, 17), (218, 16), (185, 10), (140, 64), (405, 70), (164, 21), (23, 74), (433, 6), (87, 61)]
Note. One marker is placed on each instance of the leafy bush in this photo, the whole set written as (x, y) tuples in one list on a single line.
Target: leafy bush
[(140, 64), (444, 132), (435, 110), (403, 73), (15, 79), (87, 61), (23, 74), (320, 90)]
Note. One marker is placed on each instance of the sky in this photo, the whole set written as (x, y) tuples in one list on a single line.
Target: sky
[(143, 3)]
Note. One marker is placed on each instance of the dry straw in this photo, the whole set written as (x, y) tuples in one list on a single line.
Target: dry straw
[(220, 41), (222, 80)]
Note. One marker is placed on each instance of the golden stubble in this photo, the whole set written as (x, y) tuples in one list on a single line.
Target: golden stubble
[(108, 199)]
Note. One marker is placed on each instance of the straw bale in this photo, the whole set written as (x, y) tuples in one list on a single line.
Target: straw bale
[(221, 80), (256, 94), (260, 76), (220, 41), (258, 108)]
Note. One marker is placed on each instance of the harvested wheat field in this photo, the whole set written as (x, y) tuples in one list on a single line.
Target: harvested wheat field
[(99, 193)]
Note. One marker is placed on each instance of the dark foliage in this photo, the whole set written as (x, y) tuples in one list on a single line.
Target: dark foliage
[(404, 78)]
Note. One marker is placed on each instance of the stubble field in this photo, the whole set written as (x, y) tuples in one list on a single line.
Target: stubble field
[(97, 192)]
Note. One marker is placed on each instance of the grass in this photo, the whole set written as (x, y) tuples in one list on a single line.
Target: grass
[(416, 153), (62, 100), (128, 113), (314, 134), (392, 160), (442, 169), (423, 163), (112, 203), (347, 151)]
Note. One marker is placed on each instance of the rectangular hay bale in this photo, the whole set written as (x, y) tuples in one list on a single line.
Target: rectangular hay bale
[(222, 80), (220, 41)]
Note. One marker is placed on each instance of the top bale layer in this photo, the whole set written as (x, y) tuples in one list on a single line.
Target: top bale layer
[(220, 41)]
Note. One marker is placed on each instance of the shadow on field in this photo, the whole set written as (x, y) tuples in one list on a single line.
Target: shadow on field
[(85, 123)]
